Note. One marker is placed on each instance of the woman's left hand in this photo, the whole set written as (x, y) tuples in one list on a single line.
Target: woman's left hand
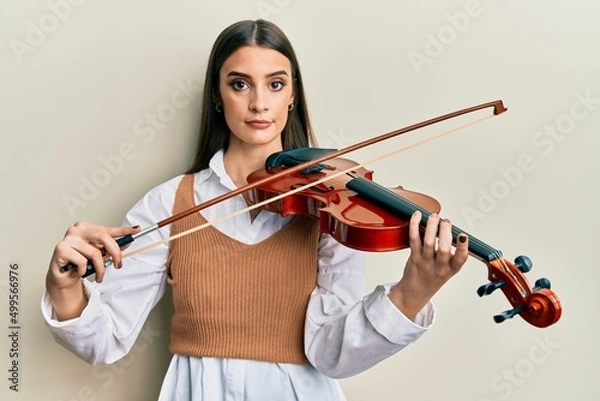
[(430, 265)]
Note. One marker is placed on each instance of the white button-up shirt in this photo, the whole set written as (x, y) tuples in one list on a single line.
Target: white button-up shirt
[(346, 332)]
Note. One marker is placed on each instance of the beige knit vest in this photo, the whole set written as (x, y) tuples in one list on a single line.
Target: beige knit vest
[(234, 300)]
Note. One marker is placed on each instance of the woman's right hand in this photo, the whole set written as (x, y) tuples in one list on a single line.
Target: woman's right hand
[(82, 242)]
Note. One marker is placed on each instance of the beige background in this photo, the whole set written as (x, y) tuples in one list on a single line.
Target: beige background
[(82, 81)]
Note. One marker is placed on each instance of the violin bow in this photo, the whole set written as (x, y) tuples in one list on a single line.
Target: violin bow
[(497, 105)]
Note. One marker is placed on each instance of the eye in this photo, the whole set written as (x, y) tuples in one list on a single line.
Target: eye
[(238, 85), (276, 85)]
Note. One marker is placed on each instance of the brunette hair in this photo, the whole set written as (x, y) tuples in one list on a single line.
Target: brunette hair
[(214, 132)]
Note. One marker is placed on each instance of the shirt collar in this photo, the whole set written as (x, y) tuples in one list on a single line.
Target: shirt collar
[(216, 167)]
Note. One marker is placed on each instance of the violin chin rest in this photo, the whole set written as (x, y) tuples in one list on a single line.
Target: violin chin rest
[(293, 157)]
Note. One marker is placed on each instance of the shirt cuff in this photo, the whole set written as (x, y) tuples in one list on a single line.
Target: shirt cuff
[(89, 313), (387, 319)]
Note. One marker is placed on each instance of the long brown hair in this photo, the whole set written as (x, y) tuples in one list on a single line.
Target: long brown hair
[(214, 132)]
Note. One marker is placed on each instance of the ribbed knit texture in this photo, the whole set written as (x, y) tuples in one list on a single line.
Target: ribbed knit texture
[(234, 300)]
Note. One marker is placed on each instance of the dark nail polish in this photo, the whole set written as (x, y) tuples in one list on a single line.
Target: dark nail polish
[(462, 238), (135, 227)]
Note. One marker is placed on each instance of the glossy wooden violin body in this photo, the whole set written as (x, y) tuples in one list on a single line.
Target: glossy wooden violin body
[(349, 218), (364, 215)]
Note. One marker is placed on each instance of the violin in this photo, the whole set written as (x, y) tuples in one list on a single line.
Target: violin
[(364, 215)]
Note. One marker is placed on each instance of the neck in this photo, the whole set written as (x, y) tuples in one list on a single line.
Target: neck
[(239, 163)]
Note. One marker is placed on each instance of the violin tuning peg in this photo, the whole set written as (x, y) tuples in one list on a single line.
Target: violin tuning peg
[(509, 314), (541, 283), (488, 288), (523, 263)]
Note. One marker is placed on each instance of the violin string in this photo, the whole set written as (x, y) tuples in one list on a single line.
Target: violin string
[(301, 188)]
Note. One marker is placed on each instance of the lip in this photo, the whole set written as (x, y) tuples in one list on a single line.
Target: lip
[(259, 124)]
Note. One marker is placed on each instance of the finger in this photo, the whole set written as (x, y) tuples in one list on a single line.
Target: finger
[(444, 245), (122, 231), (77, 255), (414, 233), (130, 230), (89, 230), (64, 255), (112, 250), (93, 254), (430, 236), (112, 247), (462, 252)]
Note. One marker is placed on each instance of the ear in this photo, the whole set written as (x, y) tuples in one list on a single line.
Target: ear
[(216, 98), (218, 103)]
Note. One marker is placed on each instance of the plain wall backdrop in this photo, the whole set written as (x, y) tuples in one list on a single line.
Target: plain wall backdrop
[(100, 102)]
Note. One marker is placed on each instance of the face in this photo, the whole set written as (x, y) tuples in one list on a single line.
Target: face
[(256, 89)]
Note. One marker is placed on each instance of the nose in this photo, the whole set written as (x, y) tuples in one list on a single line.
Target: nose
[(258, 101)]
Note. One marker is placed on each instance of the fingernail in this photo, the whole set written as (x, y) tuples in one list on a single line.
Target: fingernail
[(462, 238), (121, 263), (135, 227)]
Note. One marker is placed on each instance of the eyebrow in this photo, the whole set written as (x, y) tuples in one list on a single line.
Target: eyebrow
[(243, 75)]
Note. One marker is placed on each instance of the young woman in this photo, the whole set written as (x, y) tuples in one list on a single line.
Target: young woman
[(266, 307)]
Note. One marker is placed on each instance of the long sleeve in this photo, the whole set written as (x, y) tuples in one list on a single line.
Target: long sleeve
[(346, 332), (118, 307)]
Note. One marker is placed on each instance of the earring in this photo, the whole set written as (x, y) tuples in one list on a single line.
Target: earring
[(218, 108), (291, 107)]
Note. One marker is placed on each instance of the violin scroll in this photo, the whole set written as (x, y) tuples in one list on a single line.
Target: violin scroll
[(537, 305)]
